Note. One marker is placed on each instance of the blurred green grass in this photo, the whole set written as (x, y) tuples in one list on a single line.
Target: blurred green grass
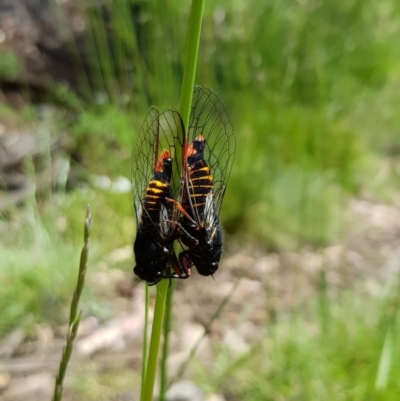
[(301, 360), (300, 81), (312, 90)]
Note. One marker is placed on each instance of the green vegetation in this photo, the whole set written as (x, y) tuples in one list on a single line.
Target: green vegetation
[(299, 360), (75, 314), (312, 90), (10, 66), (301, 81)]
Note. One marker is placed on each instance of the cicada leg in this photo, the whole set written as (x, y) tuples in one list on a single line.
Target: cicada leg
[(182, 210)]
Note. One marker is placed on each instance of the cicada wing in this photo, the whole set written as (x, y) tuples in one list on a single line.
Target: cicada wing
[(161, 134), (209, 119)]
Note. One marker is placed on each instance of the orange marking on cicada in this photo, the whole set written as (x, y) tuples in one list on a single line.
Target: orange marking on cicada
[(159, 163), (190, 150)]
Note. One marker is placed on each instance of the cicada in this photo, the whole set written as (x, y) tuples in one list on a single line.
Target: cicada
[(208, 156), (153, 165)]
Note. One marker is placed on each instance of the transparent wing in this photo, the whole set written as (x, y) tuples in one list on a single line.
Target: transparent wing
[(160, 131), (210, 119)]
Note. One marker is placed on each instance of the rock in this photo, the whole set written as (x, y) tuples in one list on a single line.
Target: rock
[(9, 344), (215, 397), (38, 386), (184, 391)]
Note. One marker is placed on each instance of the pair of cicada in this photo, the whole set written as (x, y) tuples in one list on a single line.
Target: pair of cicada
[(179, 181)]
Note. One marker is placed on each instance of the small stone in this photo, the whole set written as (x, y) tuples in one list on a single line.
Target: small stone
[(184, 391), (4, 380), (235, 343), (215, 397)]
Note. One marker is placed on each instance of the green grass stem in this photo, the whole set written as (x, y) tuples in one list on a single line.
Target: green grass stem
[(194, 30), (385, 361), (167, 329), (162, 288), (195, 19), (74, 316), (145, 335)]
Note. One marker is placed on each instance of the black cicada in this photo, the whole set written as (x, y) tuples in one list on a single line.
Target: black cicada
[(207, 162), (153, 165)]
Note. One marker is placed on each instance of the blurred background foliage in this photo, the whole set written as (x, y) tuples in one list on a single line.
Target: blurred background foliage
[(302, 81), (312, 90), (297, 78)]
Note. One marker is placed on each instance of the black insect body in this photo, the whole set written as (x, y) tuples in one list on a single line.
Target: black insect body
[(207, 162), (154, 192), (153, 243), (198, 202)]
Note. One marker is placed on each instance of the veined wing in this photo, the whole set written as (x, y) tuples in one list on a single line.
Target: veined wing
[(160, 132), (209, 119)]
